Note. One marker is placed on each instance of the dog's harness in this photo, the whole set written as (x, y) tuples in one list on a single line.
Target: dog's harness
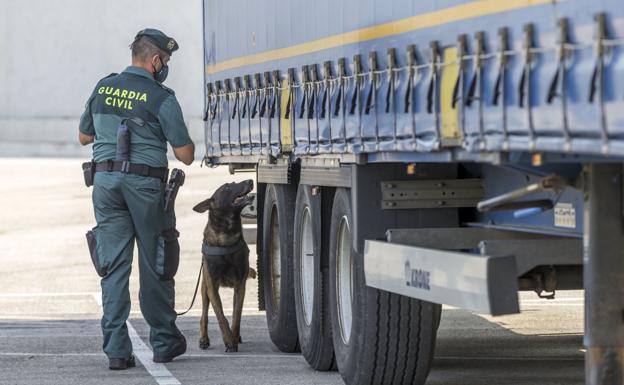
[(218, 251)]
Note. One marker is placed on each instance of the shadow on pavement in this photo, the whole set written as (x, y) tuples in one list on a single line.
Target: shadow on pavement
[(472, 350)]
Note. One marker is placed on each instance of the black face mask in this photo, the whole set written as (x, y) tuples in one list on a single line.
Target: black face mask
[(161, 75)]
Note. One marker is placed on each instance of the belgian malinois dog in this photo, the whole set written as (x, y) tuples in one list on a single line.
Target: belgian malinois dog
[(225, 259)]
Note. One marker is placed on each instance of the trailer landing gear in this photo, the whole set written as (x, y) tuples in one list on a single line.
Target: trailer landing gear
[(604, 275)]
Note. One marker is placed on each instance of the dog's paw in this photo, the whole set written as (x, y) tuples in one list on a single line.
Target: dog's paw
[(204, 344), (231, 349)]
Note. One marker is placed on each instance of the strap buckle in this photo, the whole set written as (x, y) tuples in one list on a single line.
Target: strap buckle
[(125, 167)]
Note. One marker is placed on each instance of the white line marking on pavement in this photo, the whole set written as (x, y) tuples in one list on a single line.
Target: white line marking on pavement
[(159, 371), (489, 358), (30, 317), (563, 302), (94, 294), (552, 304), (246, 311), (52, 354), (98, 298), (144, 354), (540, 300), (35, 295)]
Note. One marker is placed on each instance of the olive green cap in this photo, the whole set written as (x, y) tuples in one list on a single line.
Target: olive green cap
[(162, 41)]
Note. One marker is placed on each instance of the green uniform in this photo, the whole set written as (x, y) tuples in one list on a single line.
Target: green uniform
[(130, 208)]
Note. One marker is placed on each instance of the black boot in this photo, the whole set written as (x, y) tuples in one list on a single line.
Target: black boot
[(121, 363), (169, 357)]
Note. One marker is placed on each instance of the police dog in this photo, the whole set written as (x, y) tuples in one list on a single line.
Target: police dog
[(225, 259)]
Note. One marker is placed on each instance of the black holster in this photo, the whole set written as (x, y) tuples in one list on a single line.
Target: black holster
[(92, 243), (88, 171), (168, 252)]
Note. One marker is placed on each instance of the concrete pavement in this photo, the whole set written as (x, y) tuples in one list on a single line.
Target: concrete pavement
[(49, 312)]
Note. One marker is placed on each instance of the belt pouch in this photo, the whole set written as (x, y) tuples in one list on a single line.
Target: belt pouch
[(88, 171)]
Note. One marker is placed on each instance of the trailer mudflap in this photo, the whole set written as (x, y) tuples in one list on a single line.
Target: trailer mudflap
[(481, 283)]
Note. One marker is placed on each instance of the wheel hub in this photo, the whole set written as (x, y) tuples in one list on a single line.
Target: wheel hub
[(306, 253), (275, 259), (344, 279)]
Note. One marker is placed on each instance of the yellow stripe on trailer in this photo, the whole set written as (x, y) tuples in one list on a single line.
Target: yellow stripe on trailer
[(461, 12), (448, 113), (285, 122)]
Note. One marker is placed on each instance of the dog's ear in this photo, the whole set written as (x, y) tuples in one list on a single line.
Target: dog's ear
[(201, 207)]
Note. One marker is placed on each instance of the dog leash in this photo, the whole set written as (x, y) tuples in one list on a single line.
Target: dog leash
[(216, 251), (196, 287)]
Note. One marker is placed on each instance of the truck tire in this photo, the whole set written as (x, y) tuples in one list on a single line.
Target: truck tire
[(277, 266), (311, 289), (379, 337)]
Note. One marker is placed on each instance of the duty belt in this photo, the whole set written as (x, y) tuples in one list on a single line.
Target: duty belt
[(133, 168)]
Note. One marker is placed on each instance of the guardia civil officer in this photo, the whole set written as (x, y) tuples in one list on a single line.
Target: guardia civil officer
[(134, 108)]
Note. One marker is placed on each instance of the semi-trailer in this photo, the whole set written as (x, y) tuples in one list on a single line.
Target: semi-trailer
[(410, 154)]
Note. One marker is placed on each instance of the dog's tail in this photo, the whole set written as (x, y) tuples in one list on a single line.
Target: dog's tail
[(252, 273)]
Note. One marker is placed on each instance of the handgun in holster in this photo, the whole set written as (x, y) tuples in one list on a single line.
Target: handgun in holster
[(176, 180)]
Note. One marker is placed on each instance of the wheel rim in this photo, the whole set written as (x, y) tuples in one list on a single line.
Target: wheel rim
[(306, 255), (344, 279), (275, 259)]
